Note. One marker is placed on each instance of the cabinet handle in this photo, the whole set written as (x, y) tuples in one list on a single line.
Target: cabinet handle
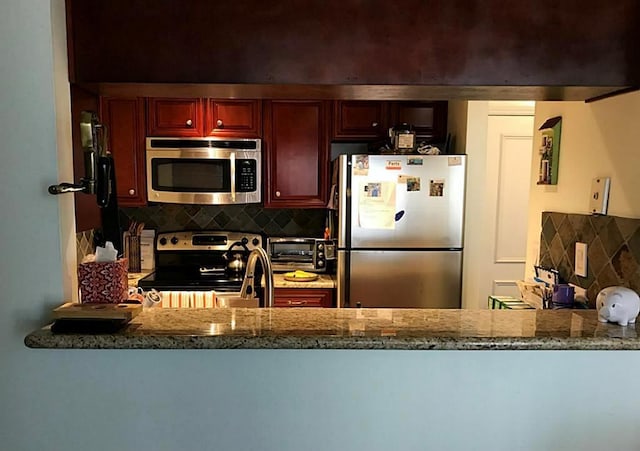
[(374, 124), (189, 122), (132, 192), (297, 302), (219, 123), (277, 193)]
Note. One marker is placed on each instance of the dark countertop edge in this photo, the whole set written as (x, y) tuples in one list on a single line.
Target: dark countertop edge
[(47, 340)]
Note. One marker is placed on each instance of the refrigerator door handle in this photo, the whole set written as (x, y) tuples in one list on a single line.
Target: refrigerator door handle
[(344, 164), (342, 280)]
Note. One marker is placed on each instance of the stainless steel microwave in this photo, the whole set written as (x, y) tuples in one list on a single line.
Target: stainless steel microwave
[(307, 254), (206, 171)]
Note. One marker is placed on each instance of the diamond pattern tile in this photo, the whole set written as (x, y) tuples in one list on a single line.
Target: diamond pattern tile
[(596, 256), (222, 219), (613, 249), (634, 244), (548, 229), (608, 277), (624, 264), (250, 218), (556, 249), (282, 218), (627, 226), (566, 233), (557, 219)]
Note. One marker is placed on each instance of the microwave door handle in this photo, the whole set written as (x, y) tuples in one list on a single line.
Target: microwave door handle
[(233, 176)]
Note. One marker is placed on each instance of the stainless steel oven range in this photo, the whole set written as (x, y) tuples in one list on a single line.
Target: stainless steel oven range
[(200, 261)]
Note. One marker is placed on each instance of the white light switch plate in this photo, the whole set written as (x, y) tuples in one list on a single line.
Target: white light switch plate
[(581, 259), (599, 200)]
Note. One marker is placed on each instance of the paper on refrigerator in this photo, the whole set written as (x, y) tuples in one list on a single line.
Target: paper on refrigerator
[(377, 205)]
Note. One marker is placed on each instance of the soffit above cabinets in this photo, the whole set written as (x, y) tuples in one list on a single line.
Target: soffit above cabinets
[(353, 92), (350, 49)]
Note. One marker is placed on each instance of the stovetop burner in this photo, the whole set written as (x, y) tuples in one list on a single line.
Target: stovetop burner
[(197, 261)]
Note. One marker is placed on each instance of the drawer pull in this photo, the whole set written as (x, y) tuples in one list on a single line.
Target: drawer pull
[(297, 302)]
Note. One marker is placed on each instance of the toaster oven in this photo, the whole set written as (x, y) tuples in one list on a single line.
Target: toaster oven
[(307, 254)]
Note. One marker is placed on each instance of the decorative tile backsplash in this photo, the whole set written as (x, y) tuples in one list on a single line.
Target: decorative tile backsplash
[(84, 244), (242, 218), (613, 249)]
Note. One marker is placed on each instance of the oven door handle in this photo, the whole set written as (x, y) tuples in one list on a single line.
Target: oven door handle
[(232, 156)]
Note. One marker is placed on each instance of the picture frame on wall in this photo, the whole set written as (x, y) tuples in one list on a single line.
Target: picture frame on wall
[(549, 151)]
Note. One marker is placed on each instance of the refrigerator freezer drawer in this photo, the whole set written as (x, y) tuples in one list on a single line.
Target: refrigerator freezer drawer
[(405, 279)]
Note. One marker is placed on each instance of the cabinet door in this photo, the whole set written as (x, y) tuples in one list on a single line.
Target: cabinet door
[(302, 297), (241, 118), (296, 153), (124, 118), (357, 119), (429, 119), (175, 117)]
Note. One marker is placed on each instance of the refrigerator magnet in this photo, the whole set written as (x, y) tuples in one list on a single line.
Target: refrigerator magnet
[(361, 165), (373, 189), (436, 188), (455, 161), (413, 184), (402, 179), (414, 161), (394, 164)]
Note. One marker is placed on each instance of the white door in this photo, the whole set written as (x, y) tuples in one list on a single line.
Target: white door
[(497, 219)]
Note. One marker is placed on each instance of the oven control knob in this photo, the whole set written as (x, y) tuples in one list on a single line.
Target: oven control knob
[(255, 241), (163, 241), (174, 240), (320, 263), (320, 246), (244, 240), (320, 254)]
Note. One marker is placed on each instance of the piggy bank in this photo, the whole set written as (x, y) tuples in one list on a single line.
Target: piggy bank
[(618, 305)]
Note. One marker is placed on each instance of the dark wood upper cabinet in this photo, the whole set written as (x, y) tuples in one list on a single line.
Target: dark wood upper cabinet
[(354, 120), (175, 117), (238, 118), (429, 119), (124, 118), (88, 214), (547, 43), (296, 154)]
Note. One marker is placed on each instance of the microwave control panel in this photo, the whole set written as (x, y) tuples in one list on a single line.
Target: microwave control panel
[(246, 175)]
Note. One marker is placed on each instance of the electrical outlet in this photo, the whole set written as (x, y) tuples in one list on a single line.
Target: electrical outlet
[(599, 201), (581, 259)]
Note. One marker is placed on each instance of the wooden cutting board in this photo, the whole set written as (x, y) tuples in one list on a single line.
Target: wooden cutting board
[(72, 310)]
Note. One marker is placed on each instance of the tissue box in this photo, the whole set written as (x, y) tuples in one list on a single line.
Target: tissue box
[(104, 283)]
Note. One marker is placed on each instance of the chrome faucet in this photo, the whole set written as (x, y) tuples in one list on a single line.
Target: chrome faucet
[(248, 290)]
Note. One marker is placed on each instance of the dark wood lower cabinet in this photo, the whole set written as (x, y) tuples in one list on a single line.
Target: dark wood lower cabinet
[(303, 297)]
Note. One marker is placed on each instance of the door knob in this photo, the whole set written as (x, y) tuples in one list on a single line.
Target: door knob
[(189, 122), (132, 192), (219, 123), (277, 193)]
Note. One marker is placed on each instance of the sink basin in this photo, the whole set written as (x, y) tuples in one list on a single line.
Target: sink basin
[(233, 300)]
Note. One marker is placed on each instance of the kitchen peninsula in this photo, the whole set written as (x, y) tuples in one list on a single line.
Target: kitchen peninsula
[(375, 329)]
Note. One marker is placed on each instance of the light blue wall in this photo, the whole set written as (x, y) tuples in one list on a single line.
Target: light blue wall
[(253, 400)]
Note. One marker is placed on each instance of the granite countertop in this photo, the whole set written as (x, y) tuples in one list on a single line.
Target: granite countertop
[(318, 328), (323, 281)]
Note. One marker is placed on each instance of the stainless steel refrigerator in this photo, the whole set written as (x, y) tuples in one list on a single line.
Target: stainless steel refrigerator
[(400, 230)]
